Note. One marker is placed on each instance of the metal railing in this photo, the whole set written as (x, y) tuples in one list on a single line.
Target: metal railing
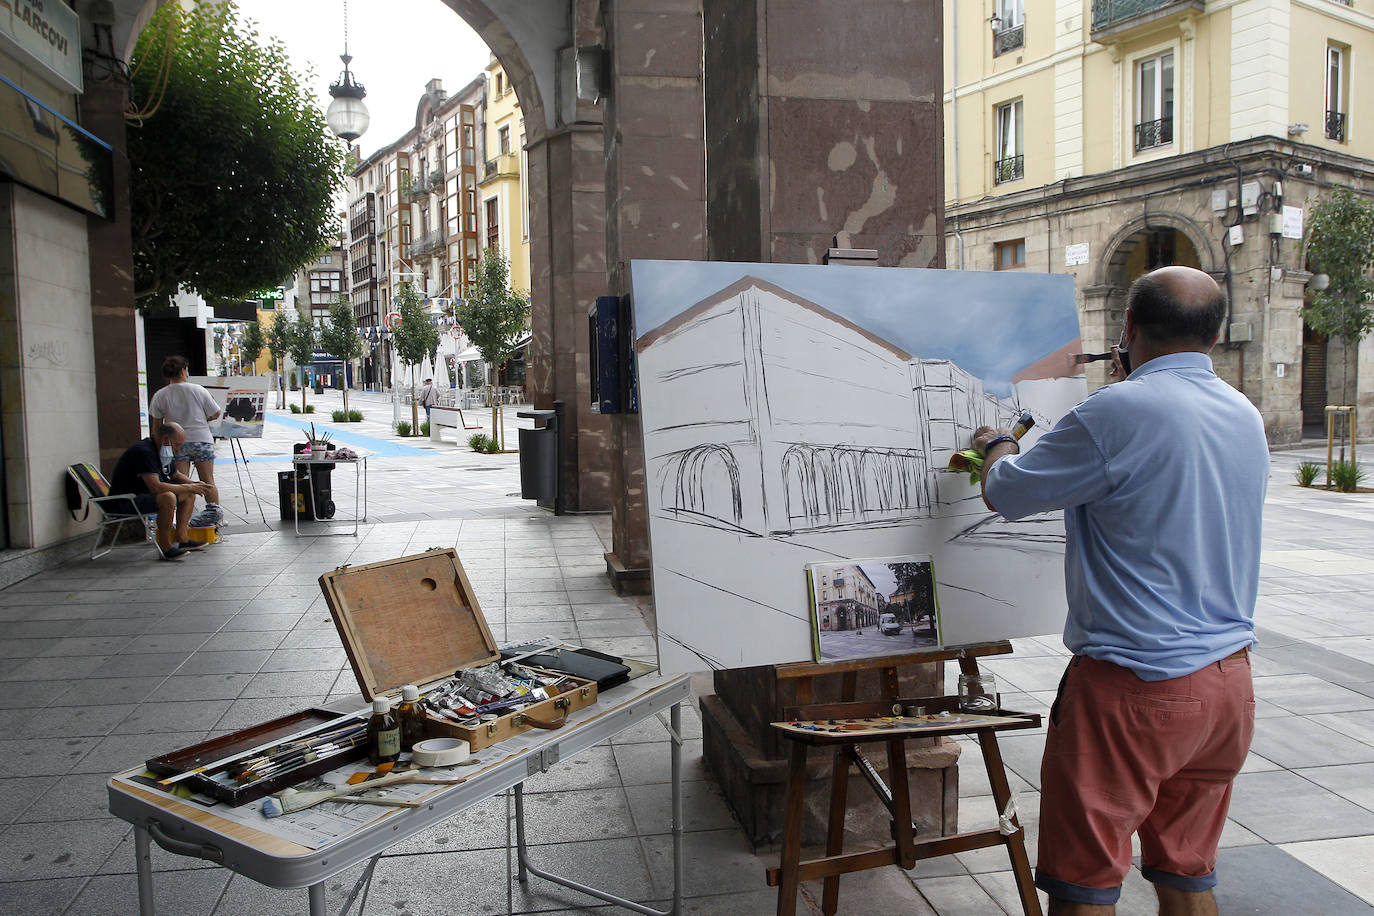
[(1008, 40), (1151, 134), (1010, 169), (1107, 13), (429, 242), (1335, 126)]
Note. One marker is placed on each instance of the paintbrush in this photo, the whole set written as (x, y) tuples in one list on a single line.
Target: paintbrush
[(290, 801), (277, 744)]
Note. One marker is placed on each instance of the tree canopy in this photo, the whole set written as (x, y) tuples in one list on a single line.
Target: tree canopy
[(494, 316), (415, 336), (1340, 244), (251, 346), (232, 167), (341, 338)]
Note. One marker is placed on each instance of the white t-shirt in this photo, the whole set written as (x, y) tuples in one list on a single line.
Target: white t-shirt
[(188, 404)]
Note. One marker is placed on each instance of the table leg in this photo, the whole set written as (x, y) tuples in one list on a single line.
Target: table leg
[(317, 905), (144, 865), (675, 749), (789, 880)]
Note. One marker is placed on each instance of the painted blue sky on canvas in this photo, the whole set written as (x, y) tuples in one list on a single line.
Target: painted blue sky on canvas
[(992, 324)]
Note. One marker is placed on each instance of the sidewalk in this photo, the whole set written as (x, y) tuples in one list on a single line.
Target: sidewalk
[(108, 662)]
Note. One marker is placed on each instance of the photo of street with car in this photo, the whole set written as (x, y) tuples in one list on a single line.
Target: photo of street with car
[(863, 608)]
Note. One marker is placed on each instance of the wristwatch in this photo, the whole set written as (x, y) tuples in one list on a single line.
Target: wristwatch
[(998, 440)]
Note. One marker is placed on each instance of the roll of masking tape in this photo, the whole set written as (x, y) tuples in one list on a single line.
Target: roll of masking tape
[(440, 752)]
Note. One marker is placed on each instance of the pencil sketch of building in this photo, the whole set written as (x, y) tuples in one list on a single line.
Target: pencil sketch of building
[(779, 416)]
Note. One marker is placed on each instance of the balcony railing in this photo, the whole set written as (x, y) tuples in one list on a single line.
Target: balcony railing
[(1008, 40), (427, 243), (1335, 126), (1113, 15), (1011, 168), (1151, 134)]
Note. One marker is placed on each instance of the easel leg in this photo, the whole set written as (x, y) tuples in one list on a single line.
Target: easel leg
[(900, 784), (1016, 842), (792, 832), (834, 841)]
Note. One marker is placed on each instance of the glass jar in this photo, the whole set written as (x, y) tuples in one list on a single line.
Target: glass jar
[(978, 694)]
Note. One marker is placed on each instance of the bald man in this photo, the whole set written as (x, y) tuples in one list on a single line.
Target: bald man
[(147, 474), (1161, 478)]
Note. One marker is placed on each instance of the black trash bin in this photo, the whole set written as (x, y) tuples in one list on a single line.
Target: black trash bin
[(538, 463)]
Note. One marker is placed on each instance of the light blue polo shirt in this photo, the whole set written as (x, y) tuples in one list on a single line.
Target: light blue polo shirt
[(1162, 479)]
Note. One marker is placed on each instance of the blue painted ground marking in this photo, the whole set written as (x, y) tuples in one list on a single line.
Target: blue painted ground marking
[(376, 448)]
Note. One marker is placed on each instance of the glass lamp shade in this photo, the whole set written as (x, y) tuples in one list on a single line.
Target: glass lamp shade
[(347, 117)]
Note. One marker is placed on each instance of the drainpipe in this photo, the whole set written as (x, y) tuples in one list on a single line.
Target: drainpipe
[(954, 116)]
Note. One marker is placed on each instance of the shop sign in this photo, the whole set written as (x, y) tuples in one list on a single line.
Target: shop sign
[(48, 32)]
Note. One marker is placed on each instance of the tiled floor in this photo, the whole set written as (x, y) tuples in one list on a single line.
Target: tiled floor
[(105, 663)]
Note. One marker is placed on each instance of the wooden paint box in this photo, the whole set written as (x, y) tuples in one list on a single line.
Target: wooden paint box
[(415, 620)]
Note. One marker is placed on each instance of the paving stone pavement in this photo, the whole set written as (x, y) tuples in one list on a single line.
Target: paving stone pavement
[(107, 662)]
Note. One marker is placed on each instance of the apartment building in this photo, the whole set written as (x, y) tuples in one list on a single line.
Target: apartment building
[(503, 185), (1104, 138), (414, 217)]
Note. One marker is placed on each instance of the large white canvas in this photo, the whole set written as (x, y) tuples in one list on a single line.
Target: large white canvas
[(799, 413)]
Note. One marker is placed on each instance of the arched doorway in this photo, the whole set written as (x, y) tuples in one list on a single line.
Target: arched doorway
[(1147, 249)]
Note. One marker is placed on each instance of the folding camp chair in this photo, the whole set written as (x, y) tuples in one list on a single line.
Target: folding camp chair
[(85, 480)]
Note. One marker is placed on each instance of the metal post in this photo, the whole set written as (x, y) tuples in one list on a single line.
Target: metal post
[(558, 458)]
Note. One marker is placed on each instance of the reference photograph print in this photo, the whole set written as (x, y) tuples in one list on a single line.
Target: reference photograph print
[(797, 414)]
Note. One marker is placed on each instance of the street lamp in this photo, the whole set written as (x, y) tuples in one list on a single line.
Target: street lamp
[(347, 115)]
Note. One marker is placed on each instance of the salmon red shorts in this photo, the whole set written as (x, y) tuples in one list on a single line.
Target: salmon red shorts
[(1124, 755)]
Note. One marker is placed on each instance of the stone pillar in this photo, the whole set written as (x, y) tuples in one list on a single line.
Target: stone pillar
[(1101, 315), (112, 282), (818, 122), (567, 191), (655, 205), (1280, 397)]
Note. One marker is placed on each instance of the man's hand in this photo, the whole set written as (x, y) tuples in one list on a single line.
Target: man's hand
[(985, 434), (1118, 371)]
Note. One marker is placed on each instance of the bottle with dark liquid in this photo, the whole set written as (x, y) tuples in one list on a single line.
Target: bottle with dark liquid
[(412, 717), (383, 733)]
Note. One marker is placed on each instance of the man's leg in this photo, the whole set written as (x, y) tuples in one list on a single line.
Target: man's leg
[(1060, 907), (185, 503), (1174, 902), (166, 511)]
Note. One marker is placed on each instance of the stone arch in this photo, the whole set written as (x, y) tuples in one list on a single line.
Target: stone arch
[(1111, 269)]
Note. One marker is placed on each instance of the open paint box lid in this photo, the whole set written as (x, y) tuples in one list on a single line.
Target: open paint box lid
[(411, 620)]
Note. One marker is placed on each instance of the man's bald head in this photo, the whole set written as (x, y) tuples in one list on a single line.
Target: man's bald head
[(173, 433), (1180, 307)]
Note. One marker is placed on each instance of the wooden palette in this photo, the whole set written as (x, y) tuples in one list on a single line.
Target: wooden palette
[(895, 726)]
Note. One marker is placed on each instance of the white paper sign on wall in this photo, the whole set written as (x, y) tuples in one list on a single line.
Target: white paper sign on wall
[(1075, 254), (1292, 222)]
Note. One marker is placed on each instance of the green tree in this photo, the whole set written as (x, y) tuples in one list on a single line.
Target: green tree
[(341, 338), (279, 345), (301, 346), (914, 580), (233, 170), (414, 337), (251, 345), (1340, 244), (494, 316)]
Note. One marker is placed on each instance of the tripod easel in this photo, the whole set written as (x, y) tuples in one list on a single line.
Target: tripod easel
[(906, 849), (236, 450)]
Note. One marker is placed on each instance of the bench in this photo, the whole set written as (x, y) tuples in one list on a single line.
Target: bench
[(452, 417)]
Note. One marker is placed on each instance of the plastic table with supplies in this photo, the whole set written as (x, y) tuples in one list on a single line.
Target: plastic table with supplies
[(319, 506), (280, 852)]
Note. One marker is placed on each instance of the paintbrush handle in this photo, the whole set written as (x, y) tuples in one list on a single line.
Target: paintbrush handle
[(254, 751)]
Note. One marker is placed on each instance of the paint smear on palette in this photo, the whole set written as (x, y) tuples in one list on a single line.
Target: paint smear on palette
[(799, 414)]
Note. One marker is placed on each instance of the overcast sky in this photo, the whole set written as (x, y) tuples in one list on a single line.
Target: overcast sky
[(397, 47)]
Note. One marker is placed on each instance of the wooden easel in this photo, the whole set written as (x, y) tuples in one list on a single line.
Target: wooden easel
[(906, 849)]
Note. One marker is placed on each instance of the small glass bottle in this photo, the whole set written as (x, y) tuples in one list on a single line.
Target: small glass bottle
[(412, 717), (383, 733)]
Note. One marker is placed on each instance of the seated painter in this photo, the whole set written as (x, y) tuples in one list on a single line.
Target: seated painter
[(145, 473)]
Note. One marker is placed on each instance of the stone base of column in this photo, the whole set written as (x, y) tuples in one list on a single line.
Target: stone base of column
[(626, 579)]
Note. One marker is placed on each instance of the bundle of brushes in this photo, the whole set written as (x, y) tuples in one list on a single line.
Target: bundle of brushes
[(289, 801), (297, 754)]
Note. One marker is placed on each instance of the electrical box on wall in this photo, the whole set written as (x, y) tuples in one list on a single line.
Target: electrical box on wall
[(613, 382)]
